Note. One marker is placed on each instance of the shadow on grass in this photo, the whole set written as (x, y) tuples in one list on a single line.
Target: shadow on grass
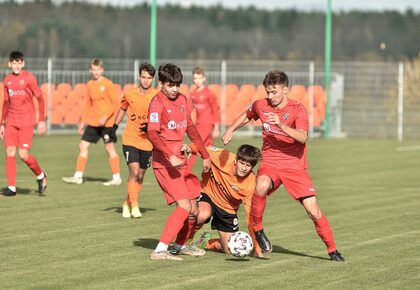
[(281, 250), (237, 259), (118, 209), (146, 243), (24, 191), (94, 179)]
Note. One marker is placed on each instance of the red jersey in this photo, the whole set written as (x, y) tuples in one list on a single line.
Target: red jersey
[(279, 149), (171, 119), (205, 104), (18, 105)]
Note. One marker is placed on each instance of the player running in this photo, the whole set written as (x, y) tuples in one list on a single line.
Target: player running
[(18, 120), (285, 127), (101, 104), (169, 120), (137, 148)]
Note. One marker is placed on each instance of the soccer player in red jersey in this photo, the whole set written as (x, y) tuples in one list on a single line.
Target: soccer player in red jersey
[(18, 120), (169, 120), (204, 102), (285, 127)]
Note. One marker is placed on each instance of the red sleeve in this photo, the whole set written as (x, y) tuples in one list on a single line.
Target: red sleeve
[(33, 85), (158, 143), (195, 137), (251, 113), (302, 118), (214, 107), (5, 109)]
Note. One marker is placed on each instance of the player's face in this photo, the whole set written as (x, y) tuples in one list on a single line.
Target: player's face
[(199, 80), (145, 79), (17, 66), (170, 90), (96, 71), (277, 94), (242, 168)]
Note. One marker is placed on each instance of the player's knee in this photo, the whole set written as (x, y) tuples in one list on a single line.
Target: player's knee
[(262, 189), (23, 154), (11, 151)]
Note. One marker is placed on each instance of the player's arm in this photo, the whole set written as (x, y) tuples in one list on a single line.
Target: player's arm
[(195, 137), (110, 106), (238, 123), (5, 111), (299, 133), (36, 91), (85, 117), (216, 116)]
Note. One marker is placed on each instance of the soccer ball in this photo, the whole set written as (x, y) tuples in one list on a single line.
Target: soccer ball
[(240, 244)]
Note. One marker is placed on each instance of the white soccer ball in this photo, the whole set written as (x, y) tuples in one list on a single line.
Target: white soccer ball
[(240, 244)]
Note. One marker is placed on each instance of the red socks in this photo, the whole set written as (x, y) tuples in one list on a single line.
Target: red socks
[(257, 210), (11, 170), (173, 225), (186, 230), (33, 165), (324, 231)]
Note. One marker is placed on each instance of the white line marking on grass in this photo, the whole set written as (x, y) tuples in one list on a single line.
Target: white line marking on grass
[(408, 148)]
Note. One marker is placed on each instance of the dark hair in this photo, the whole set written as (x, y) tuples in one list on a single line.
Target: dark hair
[(170, 73), (15, 55), (248, 153), (275, 77), (198, 70), (96, 62), (147, 67)]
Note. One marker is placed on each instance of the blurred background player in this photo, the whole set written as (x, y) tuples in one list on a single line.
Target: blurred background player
[(285, 127), (204, 102), (102, 102), (169, 120), (137, 148), (18, 120), (229, 183)]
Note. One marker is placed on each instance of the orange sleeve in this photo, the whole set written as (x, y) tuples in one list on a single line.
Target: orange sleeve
[(124, 103), (88, 105), (113, 99)]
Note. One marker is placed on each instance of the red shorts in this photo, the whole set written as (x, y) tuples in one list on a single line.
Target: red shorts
[(18, 136), (177, 184), (205, 133), (298, 183)]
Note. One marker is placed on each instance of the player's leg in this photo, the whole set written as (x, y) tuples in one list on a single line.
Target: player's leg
[(82, 159), (322, 226), (113, 159), (10, 170), (136, 179)]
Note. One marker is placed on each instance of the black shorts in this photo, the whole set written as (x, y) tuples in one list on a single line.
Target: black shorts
[(133, 154), (93, 134), (221, 219)]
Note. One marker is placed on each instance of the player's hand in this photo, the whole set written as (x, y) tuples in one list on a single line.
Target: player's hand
[(81, 129), (206, 165), (227, 137), (143, 127), (176, 161), (187, 151), (2, 131), (215, 133), (113, 132), (42, 128), (102, 121), (273, 119)]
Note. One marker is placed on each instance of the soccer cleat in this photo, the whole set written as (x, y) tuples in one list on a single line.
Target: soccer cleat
[(202, 241), (42, 184), (189, 250), (336, 256), (73, 180), (135, 213), (8, 192), (164, 255), (263, 241), (112, 182), (126, 212)]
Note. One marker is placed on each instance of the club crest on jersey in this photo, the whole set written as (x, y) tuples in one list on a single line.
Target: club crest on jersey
[(266, 127), (154, 117), (286, 116), (10, 92), (182, 108), (171, 125)]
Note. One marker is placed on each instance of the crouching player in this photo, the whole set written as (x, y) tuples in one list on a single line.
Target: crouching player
[(229, 183)]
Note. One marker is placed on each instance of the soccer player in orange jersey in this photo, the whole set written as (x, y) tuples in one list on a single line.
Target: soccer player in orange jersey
[(229, 183), (169, 120), (204, 102), (285, 127), (18, 120), (137, 148), (101, 104)]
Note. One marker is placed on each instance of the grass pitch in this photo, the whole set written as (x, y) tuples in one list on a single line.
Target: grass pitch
[(75, 238)]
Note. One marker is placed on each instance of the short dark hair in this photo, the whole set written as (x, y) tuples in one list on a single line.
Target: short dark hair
[(15, 55), (147, 67), (198, 70), (276, 77), (248, 153), (96, 62), (170, 73)]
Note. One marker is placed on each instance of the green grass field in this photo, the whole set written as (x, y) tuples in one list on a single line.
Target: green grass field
[(75, 238)]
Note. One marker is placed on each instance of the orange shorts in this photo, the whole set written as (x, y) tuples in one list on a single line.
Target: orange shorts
[(298, 183), (18, 136), (177, 184)]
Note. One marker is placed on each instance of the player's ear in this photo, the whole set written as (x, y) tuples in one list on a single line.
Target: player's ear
[(9, 64), (23, 63), (160, 84)]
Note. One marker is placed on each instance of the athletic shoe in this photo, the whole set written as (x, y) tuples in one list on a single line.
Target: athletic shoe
[(126, 212), (42, 184), (112, 182), (191, 250), (135, 213), (164, 255), (73, 180), (8, 192), (336, 256), (202, 241), (263, 241)]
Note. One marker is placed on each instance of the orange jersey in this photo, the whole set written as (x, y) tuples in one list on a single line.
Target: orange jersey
[(102, 100), (137, 106)]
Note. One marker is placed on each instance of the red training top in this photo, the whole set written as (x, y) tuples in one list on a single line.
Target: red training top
[(205, 104)]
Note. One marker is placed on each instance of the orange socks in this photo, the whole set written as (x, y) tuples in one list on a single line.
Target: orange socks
[(114, 163), (214, 245), (133, 189), (81, 163)]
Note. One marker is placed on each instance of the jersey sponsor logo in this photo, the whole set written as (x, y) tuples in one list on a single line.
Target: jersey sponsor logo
[(274, 129), (177, 125), (154, 117), (169, 111), (134, 117), (16, 92)]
